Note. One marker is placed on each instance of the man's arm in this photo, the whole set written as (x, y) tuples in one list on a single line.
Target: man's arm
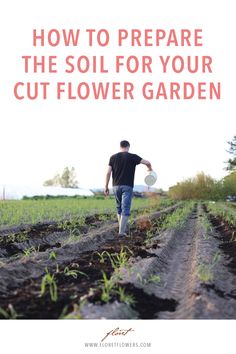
[(147, 163), (108, 176)]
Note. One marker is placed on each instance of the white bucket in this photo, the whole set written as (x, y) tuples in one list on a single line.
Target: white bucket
[(150, 178)]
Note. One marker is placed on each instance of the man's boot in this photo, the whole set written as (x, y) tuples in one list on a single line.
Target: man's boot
[(123, 225), (118, 218)]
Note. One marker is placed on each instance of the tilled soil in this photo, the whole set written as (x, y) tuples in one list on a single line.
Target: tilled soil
[(181, 273)]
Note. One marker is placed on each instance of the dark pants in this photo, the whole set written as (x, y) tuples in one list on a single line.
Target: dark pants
[(123, 195)]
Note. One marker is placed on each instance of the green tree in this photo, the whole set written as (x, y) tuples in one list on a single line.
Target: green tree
[(229, 184), (231, 163), (203, 186), (199, 187), (66, 180), (55, 181)]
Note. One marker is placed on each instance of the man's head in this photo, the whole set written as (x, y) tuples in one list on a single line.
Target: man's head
[(124, 145)]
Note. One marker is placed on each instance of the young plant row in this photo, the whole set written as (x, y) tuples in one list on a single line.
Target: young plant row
[(205, 270), (35, 211), (225, 212), (174, 220)]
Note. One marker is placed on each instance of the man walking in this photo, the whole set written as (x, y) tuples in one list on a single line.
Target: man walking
[(122, 167)]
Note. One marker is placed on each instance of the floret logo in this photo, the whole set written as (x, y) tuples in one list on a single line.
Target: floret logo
[(117, 332)]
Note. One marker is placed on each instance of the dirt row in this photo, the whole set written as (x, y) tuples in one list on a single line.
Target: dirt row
[(184, 272)]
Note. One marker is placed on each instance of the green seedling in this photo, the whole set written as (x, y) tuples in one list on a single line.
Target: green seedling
[(118, 260), (216, 258), (74, 315), (154, 279), (139, 278), (28, 251), (73, 273), (53, 255), (110, 288), (103, 256), (126, 298), (204, 272), (107, 287), (63, 313), (10, 313), (48, 280)]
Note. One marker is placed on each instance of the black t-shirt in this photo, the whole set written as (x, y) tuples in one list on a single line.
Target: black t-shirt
[(123, 168)]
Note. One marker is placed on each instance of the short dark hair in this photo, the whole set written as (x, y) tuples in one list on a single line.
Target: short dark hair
[(124, 144)]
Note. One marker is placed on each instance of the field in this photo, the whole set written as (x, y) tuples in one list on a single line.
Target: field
[(34, 211), (63, 259)]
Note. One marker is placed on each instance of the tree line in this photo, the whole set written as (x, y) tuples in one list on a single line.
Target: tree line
[(205, 187)]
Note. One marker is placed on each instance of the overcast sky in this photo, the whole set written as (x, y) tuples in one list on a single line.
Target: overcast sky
[(180, 138)]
